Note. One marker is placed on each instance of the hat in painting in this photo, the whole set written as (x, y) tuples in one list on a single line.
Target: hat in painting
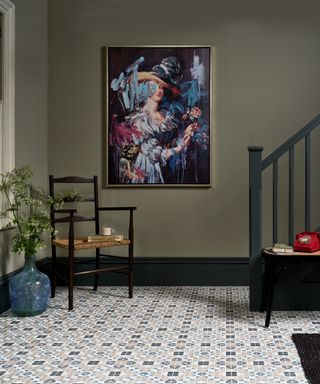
[(167, 74)]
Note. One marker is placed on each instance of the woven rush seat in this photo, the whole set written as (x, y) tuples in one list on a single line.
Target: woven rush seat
[(82, 243)]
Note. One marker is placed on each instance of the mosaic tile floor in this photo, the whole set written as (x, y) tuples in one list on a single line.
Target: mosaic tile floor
[(166, 335)]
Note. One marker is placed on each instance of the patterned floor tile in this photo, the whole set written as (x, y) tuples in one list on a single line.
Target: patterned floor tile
[(167, 335)]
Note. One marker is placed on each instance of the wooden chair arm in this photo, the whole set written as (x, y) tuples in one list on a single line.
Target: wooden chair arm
[(130, 209)]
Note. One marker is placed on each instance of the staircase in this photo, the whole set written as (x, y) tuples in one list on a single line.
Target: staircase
[(256, 168)]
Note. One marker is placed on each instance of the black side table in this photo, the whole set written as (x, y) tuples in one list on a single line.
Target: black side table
[(274, 261)]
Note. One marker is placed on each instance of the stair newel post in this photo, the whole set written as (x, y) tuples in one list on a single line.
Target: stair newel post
[(255, 221)]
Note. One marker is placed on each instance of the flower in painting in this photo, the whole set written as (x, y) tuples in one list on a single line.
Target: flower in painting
[(195, 112)]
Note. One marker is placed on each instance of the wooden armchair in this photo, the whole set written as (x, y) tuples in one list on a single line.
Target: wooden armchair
[(72, 243)]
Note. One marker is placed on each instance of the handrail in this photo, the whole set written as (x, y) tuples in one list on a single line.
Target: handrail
[(256, 167), (291, 142)]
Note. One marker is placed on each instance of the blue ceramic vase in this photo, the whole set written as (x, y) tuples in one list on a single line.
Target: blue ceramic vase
[(29, 290)]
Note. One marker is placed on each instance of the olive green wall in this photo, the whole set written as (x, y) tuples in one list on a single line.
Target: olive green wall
[(32, 87), (266, 86), (31, 145)]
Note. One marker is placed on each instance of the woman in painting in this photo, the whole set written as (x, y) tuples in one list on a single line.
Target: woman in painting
[(153, 131)]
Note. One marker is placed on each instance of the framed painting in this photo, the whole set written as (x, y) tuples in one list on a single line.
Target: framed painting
[(158, 116)]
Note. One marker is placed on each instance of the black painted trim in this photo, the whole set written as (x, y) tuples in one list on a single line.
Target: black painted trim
[(158, 271), (294, 290), (162, 271)]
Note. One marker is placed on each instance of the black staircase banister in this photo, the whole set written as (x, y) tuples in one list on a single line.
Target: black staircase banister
[(291, 142), (256, 168), (307, 183), (291, 196), (255, 223), (275, 198)]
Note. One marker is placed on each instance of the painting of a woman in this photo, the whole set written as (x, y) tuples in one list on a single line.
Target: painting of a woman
[(153, 130)]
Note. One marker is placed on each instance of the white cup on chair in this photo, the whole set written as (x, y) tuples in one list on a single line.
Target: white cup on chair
[(107, 231)]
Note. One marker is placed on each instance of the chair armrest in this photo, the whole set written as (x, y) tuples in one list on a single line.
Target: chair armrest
[(116, 208), (130, 209)]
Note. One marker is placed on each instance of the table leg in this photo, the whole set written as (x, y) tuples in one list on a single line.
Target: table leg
[(264, 287), (270, 278)]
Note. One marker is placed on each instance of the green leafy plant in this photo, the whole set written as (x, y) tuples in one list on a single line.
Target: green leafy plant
[(27, 210), (68, 195)]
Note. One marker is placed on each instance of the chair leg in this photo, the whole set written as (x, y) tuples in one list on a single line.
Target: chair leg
[(70, 299), (70, 280), (130, 271), (70, 293), (53, 272), (130, 282), (96, 282), (96, 276)]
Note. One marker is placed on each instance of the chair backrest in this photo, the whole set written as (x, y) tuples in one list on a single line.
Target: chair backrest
[(73, 182)]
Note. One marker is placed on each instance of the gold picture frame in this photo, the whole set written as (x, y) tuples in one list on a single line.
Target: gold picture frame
[(158, 116)]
